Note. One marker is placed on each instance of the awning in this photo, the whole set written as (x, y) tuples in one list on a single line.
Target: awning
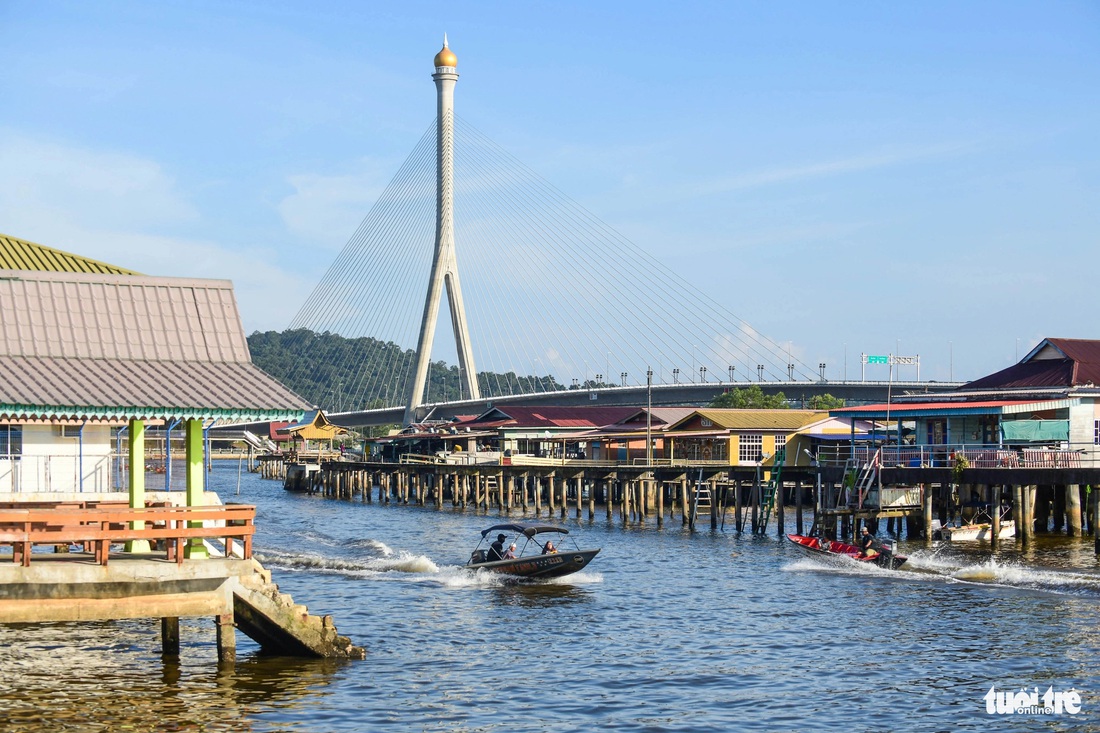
[(1030, 431)]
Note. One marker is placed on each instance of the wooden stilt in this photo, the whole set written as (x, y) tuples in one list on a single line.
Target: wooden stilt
[(1073, 510), (170, 637)]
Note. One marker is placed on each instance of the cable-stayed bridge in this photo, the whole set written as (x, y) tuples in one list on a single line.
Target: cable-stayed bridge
[(554, 304)]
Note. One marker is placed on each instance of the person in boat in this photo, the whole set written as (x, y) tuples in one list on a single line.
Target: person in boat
[(548, 548), (510, 554), (867, 544), (496, 550)]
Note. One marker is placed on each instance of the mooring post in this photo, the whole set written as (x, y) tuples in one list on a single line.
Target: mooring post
[(170, 636)]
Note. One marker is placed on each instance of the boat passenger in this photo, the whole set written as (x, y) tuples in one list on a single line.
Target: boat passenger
[(867, 544), (549, 549), (496, 550), (511, 553)]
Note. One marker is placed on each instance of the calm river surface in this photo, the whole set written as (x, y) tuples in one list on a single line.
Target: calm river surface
[(665, 631)]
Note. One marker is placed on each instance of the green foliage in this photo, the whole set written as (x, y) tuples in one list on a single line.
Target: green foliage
[(825, 402), (342, 374), (751, 398), (958, 465)]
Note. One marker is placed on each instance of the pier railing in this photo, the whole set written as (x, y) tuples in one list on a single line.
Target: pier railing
[(976, 456), (98, 526)]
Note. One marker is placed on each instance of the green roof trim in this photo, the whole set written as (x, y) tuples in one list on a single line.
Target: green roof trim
[(71, 412), (20, 254)]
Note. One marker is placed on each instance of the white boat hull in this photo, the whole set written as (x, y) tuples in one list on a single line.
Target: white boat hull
[(978, 532)]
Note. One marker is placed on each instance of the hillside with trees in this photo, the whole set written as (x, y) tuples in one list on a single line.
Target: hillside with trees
[(343, 374)]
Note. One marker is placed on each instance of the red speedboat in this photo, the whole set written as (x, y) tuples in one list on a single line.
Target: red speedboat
[(884, 556)]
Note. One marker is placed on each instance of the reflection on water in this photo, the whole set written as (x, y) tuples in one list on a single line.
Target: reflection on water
[(110, 676), (667, 630), (558, 595)]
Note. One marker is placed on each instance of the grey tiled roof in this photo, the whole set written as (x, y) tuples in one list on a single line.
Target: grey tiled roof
[(102, 346)]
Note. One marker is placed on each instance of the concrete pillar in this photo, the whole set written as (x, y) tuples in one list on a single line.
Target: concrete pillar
[(170, 637), (226, 637), (1073, 510)]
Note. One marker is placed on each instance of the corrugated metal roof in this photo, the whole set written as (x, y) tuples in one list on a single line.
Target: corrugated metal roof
[(45, 387), (73, 315), (934, 409), (522, 416), (734, 419), (19, 254), (89, 346), (1055, 362)]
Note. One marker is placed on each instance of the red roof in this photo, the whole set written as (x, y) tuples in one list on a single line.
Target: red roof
[(549, 416), (1055, 362)]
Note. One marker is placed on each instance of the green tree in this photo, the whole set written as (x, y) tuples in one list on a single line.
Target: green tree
[(751, 398), (825, 402)]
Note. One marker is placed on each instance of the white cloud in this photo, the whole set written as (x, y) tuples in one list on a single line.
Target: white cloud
[(327, 209), (865, 162), (113, 207), (50, 181)]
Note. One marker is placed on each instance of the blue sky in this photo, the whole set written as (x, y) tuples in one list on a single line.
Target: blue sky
[(848, 177)]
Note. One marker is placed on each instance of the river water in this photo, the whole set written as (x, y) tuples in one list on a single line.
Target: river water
[(666, 630)]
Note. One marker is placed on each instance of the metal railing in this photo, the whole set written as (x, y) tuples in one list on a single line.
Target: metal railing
[(1069, 455)]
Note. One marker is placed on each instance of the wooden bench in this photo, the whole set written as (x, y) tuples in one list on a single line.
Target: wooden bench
[(98, 527)]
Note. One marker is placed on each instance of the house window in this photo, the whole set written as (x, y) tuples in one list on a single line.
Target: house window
[(749, 448), (780, 443), (1096, 432), (69, 431), (11, 441)]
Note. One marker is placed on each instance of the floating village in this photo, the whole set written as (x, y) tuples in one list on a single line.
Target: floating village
[(119, 389), (133, 369)]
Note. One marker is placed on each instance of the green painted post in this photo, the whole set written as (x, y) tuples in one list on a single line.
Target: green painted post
[(137, 481), (195, 548)]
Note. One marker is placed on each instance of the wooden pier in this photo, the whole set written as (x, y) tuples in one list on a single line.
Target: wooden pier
[(1040, 499)]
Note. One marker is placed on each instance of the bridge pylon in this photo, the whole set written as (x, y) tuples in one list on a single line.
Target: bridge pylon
[(445, 263)]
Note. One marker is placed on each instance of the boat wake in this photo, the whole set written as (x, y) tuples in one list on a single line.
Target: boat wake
[(388, 562), (1046, 580), (931, 567)]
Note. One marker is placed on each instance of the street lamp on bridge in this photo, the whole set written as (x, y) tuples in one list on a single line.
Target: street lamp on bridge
[(732, 369), (821, 368), (759, 372), (676, 375), (649, 416), (623, 376), (702, 374)]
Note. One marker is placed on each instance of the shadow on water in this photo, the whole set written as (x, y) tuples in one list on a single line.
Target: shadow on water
[(538, 595)]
